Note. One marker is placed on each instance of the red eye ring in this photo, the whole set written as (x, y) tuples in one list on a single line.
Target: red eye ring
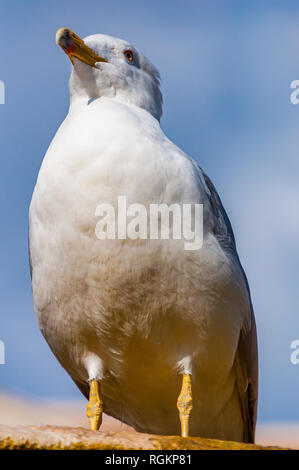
[(129, 55)]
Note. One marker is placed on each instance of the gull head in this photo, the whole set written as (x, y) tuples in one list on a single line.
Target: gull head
[(103, 66)]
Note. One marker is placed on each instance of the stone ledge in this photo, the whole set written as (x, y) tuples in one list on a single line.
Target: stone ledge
[(71, 438)]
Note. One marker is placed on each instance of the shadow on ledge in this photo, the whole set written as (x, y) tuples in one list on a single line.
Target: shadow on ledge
[(70, 438)]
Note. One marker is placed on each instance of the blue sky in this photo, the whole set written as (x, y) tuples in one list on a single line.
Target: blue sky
[(226, 70)]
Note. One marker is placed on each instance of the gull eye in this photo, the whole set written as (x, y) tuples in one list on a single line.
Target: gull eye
[(129, 55)]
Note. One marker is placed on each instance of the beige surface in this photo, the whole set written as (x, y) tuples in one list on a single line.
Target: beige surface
[(17, 411), (58, 438), (282, 434)]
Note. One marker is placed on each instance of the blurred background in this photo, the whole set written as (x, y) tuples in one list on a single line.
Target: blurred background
[(226, 69)]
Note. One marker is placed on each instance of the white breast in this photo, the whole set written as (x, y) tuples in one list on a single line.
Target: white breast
[(129, 301)]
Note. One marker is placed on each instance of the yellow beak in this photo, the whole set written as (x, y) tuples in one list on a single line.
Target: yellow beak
[(74, 46)]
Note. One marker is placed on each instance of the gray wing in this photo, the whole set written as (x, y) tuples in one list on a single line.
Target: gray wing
[(29, 256), (246, 362)]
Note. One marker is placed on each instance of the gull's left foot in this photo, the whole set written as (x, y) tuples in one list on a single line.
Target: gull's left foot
[(184, 404), (95, 406)]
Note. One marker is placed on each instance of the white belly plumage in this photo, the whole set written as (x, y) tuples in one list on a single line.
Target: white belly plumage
[(140, 306)]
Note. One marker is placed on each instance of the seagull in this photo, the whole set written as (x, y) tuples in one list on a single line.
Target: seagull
[(158, 336)]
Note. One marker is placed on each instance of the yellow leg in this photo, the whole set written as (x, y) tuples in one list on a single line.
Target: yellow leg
[(95, 406), (184, 404)]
